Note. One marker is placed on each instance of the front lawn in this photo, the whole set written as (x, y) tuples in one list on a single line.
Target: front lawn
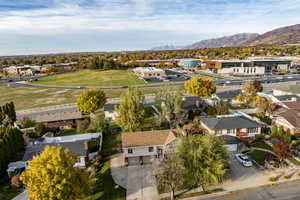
[(105, 185), (261, 144), (258, 156)]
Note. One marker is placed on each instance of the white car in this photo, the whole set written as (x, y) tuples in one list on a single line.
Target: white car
[(244, 160)]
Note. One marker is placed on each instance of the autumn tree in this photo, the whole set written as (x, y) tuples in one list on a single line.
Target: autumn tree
[(51, 175), (198, 86), (130, 112), (169, 174), (282, 150), (263, 106), (171, 106), (204, 159), (249, 92), (91, 100), (219, 108)]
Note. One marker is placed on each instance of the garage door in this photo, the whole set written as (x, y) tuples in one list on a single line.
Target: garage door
[(147, 159), (134, 161), (231, 147)]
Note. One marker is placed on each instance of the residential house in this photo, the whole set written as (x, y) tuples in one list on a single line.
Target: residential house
[(287, 116), (232, 143), (193, 106), (60, 118), (147, 146), (287, 90), (76, 144), (289, 120), (110, 112), (238, 125), (227, 96)]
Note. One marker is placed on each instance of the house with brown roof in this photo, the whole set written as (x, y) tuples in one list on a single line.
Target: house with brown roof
[(147, 146), (289, 120)]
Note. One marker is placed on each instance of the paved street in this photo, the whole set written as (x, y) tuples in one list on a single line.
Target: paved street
[(285, 191)]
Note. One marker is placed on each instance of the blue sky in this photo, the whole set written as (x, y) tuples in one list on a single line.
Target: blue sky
[(43, 26)]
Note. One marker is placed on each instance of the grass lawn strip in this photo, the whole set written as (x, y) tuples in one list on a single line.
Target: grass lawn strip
[(7, 193), (105, 184)]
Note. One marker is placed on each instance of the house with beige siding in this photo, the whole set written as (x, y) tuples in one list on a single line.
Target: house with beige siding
[(147, 146)]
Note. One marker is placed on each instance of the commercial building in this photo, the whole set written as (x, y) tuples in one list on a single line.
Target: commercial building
[(247, 67), (19, 70), (148, 72), (189, 63)]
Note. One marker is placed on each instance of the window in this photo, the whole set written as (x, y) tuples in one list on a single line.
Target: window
[(129, 151), (230, 131), (150, 149), (252, 130)]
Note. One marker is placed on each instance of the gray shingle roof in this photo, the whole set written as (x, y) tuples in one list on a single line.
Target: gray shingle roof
[(110, 106), (294, 89), (230, 94), (228, 139), (75, 148), (287, 97), (230, 122)]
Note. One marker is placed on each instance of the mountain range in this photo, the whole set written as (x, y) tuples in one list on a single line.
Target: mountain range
[(279, 36)]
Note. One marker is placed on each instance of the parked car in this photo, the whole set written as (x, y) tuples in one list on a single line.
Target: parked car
[(244, 159)]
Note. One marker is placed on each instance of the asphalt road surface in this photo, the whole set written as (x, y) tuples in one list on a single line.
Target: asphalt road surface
[(284, 191), (224, 83)]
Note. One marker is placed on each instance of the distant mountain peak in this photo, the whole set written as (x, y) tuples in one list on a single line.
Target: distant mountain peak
[(280, 36), (165, 47), (226, 41)]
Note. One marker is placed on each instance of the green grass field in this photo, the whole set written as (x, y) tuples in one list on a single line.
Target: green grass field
[(27, 97), (93, 78)]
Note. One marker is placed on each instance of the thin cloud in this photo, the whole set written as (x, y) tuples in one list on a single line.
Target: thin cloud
[(187, 19)]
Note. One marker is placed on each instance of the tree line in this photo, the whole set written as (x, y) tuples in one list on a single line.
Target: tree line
[(84, 60)]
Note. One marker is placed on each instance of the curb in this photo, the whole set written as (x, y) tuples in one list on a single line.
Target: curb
[(239, 190)]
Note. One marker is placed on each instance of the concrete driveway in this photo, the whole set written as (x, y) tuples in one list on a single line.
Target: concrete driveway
[(138, 180), (240, 176), (141, 184)]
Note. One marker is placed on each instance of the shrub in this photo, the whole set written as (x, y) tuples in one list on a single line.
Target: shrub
[(26, 122), (272, 179), (40, 130), (259, 137), (287, 177)]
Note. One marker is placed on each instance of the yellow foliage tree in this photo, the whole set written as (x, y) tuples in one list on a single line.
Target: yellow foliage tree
[(91, 100), (51, 175), (198, 86)]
